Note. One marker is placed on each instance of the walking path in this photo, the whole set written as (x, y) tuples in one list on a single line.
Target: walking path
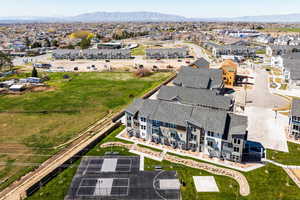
[(194, 155), (142, 163), (238, 176)]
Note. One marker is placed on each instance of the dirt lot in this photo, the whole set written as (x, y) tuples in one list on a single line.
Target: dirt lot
[(101, 65)]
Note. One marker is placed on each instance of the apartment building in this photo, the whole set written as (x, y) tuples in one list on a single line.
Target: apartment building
[(196, 97), (166, 53), (200, 63), (92, 54), (217, 133), (294, 120), (200, 78)]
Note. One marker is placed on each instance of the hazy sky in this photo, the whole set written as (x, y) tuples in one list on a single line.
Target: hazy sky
[(187, 8)]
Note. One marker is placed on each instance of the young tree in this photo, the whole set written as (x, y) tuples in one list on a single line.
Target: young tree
[(85, 43), (34, 72), (55, 43), (36, 45)]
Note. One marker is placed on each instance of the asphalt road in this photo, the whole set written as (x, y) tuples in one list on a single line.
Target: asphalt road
[(260, 95)]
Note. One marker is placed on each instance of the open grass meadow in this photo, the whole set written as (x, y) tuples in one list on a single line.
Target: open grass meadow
[(283, 29), (33, 123), (268, 183)]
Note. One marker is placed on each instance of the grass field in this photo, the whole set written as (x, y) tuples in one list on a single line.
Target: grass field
[(74, 104), (139, 51), (295, 30), (290, 158), (268, 183)]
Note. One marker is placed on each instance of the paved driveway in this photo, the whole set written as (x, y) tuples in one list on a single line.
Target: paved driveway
[(263, 127), (260, 96)]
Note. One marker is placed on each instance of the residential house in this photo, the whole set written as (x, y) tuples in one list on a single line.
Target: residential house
[(265, 39), (234, 50), (229, 69), (294, 120), (290, 67), (217, 133), (278, 50)]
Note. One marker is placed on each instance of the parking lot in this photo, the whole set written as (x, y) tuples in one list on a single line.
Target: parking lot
[(264, 125)]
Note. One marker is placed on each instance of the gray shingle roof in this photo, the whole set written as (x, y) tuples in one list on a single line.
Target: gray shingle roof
[(295, 110), (238, 124), (196, 97), (201, 62), (292, 64), (172, 113), (135, 106), (211, 120), (200, 78)]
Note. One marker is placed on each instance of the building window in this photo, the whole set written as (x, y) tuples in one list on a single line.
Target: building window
[(236, 149), (143, 127), (295, 127), (236, 141), (156, 123), (211, 134), (235, 158), (143, 119), (193, 137), (210, 143)]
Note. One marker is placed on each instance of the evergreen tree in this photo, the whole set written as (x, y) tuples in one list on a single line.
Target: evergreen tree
[(34, 72), (5, 60)]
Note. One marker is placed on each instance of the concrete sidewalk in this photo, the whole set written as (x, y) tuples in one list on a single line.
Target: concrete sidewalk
[(264, 128)]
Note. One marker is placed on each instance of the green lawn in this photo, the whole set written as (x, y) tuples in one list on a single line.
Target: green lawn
[(139, 51), (283, 86), (290, 158), (267, 183), (151, 148), (80, 100), (262, 51)]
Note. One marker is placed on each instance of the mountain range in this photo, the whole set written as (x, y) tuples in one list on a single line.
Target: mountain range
[(148, 17)]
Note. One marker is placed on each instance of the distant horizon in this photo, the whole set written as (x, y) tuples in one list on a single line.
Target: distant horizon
[(62, 16), (187, 8)]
